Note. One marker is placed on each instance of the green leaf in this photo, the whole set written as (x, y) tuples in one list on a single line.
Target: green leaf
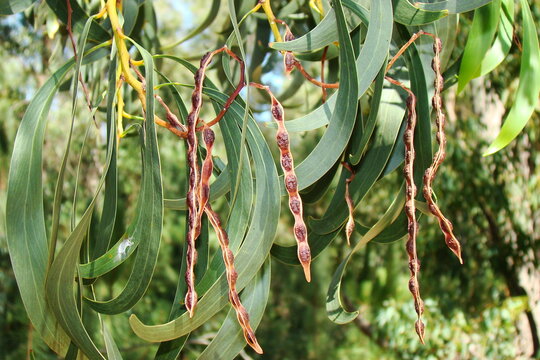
[(326, 32), (529, 85), (9, 7), (60, 278), (503, 42), (407, 14), (25, 225), (334, 304), (112, 349), (453, 6), (149, 212), (483, 30), (229, 340)]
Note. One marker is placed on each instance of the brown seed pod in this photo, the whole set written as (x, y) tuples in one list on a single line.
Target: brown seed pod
[(349, 227), (232, 275), (429, 175), (291, 183), (194, 196), (410, 208)]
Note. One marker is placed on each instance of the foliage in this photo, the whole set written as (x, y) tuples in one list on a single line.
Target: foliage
[(96, 197)]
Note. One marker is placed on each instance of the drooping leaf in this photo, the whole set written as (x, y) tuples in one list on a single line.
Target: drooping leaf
[(61, 275), (25, 225), (527, 94), (503, 41), (483, 30), (149, 214)]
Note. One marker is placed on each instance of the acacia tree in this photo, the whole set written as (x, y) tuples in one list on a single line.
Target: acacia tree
[(376, 71)]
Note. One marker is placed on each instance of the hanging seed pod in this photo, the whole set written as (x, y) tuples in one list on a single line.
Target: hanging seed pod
[(429, 176), (228, 258), (291, 183), (349, 227), (410, 211), (410, 208), (194, 194)]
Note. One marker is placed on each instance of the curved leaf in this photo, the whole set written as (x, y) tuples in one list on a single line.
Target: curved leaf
[(25, 223), (529, 85), (483, 30), (453, 6), (407, 14), (149, 218)]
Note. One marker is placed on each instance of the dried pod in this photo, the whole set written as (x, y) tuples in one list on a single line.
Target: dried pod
[(291, 183), (232, 275), (429, 175), (410, 210), (198, 192)]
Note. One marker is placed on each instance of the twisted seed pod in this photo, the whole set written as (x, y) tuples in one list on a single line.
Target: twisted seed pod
[(444, 223), (194, 196), (410, 211), (228, 258), (291, 183), (223, 238), (349, 228), (410, 208), (193, 181)]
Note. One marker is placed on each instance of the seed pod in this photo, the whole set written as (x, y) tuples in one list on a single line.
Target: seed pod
[(429, 175), (291, 183), (410, 211), (198, 192), (232, 275), (349, 227)]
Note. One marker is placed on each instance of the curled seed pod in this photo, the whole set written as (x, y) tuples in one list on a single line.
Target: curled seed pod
[(349, 227), (429, 175), (194, 194), (291, 183), (410, 210), (232, 275)]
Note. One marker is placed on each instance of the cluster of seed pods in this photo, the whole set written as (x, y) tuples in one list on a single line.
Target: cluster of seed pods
[(429, 175), (410, 210), (198, 196)]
